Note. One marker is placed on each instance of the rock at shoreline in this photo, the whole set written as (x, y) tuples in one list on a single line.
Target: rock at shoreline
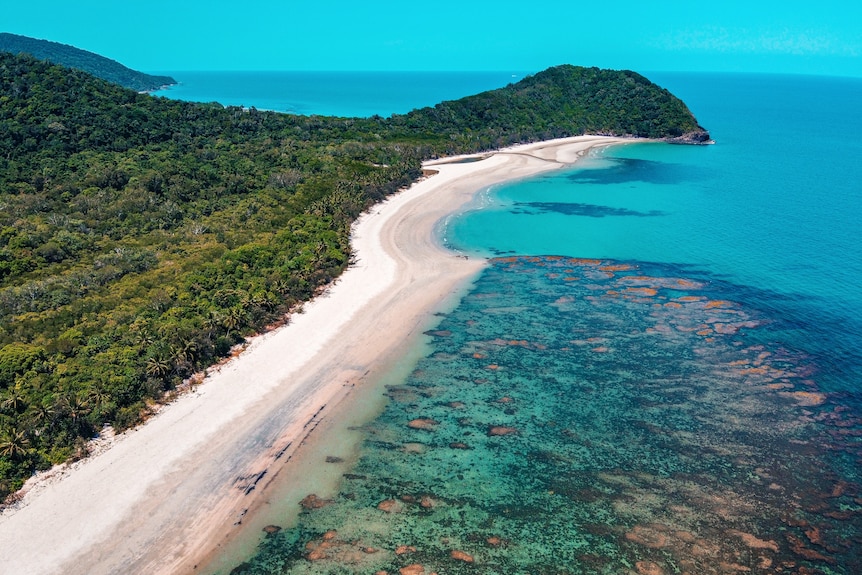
[(697, 138), (312, 501)]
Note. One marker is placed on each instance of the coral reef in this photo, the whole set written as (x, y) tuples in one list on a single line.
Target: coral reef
[(586, 416)]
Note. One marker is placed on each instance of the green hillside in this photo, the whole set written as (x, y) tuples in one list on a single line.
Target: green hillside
[(558, 102), (141, 238), (72, 57)]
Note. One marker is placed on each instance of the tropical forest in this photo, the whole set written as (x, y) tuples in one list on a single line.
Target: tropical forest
[(142, 239)]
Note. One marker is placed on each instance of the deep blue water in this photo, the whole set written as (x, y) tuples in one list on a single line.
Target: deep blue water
[(660, 371), (355, 94)]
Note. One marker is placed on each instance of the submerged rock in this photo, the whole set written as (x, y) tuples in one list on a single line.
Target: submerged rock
[(648, 568), (459, 555), (755, 542), (312, 501), (390, 506), (423, 423), (648, 536)]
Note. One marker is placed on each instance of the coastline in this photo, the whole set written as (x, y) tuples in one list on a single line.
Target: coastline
[(165, 495)]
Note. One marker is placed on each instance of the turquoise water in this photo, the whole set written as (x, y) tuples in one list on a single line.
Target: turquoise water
[(354, 94), (775, 205), (659, 372)]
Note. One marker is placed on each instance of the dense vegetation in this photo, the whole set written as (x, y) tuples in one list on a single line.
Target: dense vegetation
[(142, 238), (559, 102), (94, 64)]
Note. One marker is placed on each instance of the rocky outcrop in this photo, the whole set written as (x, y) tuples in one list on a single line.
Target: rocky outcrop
[(697, 138)]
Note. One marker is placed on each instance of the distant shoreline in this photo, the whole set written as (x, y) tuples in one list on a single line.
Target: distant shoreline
[(166, 496), (330, 93), (158, 88)]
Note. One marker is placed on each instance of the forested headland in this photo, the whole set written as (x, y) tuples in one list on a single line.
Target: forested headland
[(142, 238), (72, 57)]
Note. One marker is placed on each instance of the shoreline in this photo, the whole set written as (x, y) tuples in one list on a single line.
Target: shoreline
[(165, 496)]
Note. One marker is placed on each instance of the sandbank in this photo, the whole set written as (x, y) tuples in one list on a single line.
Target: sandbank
[(160, 498)]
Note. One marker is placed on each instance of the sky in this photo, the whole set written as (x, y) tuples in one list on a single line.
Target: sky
[(791, 36)]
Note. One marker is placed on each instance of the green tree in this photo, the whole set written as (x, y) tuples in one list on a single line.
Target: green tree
[(14, 443)]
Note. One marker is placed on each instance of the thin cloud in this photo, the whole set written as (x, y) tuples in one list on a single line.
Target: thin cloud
[(750, 41)]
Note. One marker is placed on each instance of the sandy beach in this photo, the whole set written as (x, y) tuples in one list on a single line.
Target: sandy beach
[(161, 497)]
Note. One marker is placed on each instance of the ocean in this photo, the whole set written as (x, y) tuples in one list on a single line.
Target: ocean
[(346, 94), (659, 372)]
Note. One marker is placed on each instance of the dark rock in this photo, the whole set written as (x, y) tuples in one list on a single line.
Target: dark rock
[(697, 138), (312, 501)]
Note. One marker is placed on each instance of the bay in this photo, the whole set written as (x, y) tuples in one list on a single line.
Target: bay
[(658, 373)]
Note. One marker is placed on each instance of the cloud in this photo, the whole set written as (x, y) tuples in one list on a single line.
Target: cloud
[(716, 39)]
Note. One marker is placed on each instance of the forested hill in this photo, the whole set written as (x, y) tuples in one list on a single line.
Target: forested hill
[(141, 238), (563, 101), (72, 57)]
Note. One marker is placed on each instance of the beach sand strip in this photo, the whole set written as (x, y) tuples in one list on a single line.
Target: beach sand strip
[(162, 497)]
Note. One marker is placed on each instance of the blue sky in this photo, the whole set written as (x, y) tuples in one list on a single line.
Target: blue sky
[(822, 37)]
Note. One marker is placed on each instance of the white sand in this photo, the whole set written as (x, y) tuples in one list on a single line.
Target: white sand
[(161, 497)]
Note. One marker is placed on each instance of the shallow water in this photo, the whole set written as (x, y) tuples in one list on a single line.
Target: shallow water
[(581, 416), (688, 401)]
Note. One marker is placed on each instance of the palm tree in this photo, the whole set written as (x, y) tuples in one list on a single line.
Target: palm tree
[(281, 286), (14, 402), (183, 355), (14, 443), (235, 319), (213, 322), (144, 338), (76, 407), (98, 396), (187, 351), (158, 367), (43, 416)]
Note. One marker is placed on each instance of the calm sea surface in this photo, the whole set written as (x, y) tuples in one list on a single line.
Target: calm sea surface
[(660, 372), (352, 94)]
